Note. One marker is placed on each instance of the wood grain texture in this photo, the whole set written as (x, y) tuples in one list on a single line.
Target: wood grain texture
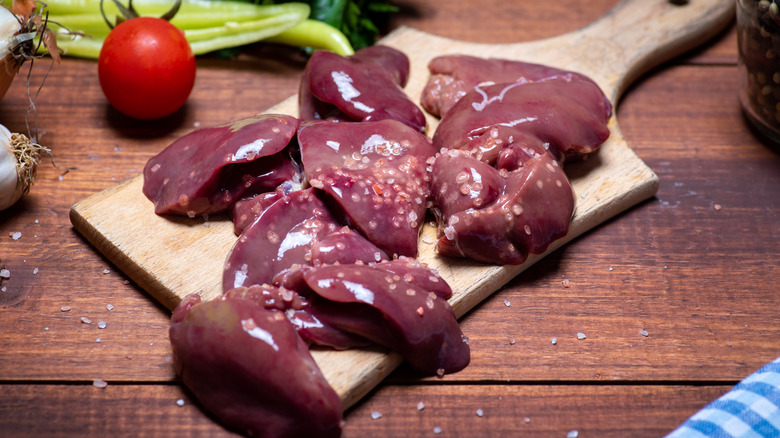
[(174, 257), (543, 410), (699, 280)]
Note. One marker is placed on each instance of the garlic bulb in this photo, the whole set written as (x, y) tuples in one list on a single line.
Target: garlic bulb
[(18, 166)]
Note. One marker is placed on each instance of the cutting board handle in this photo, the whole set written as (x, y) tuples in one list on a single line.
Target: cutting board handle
[(637, 35)]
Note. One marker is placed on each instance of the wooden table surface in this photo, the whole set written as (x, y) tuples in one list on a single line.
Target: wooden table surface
[(678, 296)]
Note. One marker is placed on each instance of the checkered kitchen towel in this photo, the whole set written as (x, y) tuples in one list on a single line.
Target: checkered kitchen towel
[(750, 410)]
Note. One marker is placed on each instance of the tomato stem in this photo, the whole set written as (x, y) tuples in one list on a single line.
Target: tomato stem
[(129, 12)]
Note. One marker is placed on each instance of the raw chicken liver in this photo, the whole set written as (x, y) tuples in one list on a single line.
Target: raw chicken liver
[(296, 230), (568, 117), (249, 368), (452, 76), (393, 310), (207, 170), (366, 86), (497, 216), (375, 175)]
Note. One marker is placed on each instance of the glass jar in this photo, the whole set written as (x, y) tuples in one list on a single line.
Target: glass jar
[(758, 36)]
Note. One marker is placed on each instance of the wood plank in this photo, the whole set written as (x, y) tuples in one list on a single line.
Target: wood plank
[(507, 410)]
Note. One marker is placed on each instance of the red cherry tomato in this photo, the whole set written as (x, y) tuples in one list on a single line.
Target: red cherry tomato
[(146, 68)]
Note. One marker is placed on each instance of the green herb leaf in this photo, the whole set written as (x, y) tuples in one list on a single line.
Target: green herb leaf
[(361, 21)]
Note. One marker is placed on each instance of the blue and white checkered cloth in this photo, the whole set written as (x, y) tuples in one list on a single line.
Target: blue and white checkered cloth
[(750, 410)]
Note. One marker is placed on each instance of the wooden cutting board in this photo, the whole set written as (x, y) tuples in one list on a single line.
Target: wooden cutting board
[(173, 257)]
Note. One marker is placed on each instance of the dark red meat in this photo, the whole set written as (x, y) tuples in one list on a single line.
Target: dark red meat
[(207, 170), (248, 367), (375, 174), (289, 234), (567, 117), (366, 86), (452, 76), (249, 207), (498, 216), (393, 310)]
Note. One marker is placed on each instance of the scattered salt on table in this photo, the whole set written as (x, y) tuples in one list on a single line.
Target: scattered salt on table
[(16, 236), (376, 415), (581, 336), (101, 324)]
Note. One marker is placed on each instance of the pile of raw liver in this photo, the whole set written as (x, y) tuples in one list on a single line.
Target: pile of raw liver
[(328, 207)]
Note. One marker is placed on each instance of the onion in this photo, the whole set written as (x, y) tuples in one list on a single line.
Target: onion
[(19, 159), (23, 29)]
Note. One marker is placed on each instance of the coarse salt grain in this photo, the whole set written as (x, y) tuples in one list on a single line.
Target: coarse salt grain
[(420, 406), (572, 434), (85, 320), (35, 271), (16, 236), (98, 340), (106, 271), (565, 282), (99, 383), (644, 333), (5, 273), (507, 303), (376, 415), (512, 342), (581, 336), (527, 420), (554, 341), (101, 324), (717, 207), (110, 307), (480, 413), (437, 430), (65, 308), (180, 402)]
